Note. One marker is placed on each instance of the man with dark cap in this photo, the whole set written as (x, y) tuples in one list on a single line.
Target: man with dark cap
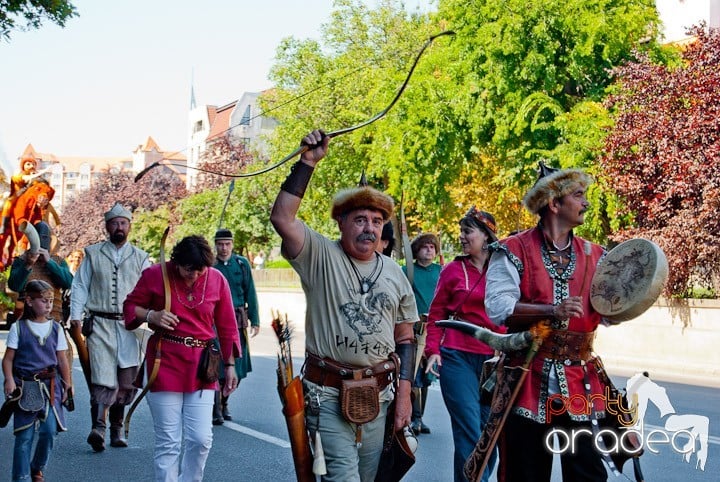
[(360, 309), (425, 274), (544, 273), (387, 239), (106, 275), (238, 272)]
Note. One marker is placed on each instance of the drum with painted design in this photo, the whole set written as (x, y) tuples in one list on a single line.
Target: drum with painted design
[(628, 280)]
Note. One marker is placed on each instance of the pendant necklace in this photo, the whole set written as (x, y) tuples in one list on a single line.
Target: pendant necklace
[(190, 296), (559, 257), (367, 282)]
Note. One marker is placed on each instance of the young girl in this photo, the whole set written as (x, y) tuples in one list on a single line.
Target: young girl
[(35, 354)]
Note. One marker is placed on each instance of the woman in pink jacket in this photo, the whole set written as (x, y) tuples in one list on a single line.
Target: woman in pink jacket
[(455, 357)]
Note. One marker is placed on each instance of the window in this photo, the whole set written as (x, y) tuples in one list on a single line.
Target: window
[(198, 126), (245, 121)]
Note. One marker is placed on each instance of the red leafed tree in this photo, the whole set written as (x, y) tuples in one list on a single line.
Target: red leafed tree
[(82, 221), (224, 156), (663, 157)]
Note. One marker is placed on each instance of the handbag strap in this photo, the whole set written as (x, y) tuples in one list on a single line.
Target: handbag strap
[(158, 346)]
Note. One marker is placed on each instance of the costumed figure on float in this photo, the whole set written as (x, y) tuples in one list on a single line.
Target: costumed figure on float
[(28, 200)]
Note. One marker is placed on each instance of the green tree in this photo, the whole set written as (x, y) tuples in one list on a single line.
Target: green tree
[(532, 76), (345, 80), (663, 158), (29, 14), (520, 81), (247, 214)]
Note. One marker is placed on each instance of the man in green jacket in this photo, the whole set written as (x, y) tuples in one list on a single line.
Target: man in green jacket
[(238, 272)]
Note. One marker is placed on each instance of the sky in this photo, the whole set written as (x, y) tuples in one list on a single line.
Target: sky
[(122, 70)]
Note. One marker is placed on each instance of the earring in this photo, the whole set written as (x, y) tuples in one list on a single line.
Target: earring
[(485, 247)]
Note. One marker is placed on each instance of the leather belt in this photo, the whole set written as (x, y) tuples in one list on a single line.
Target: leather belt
[(567, 346), (330, 373), (46, 374), (186, 340), (109, 316)]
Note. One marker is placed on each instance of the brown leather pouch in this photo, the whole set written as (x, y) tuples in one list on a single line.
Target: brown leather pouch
[(360, 399), (242, 317), (209, 367)]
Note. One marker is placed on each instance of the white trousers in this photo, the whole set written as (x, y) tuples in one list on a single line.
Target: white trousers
[(181, 420)]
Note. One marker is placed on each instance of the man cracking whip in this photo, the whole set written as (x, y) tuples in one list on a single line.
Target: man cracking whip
[(360, 312)]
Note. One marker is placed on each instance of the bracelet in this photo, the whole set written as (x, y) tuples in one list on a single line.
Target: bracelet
[(229, 364), (147, 316), (298, 179)]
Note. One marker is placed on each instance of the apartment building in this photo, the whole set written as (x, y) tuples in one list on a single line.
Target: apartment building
[(241, 120), (69, 175)]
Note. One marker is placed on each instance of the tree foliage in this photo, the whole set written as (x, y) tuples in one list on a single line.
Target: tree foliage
[(223, 156), (29, 14), (82, 220), (519, 81), (242, 205), (663, 158)]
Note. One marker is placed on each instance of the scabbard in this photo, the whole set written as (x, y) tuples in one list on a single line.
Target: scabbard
[(507, 388)]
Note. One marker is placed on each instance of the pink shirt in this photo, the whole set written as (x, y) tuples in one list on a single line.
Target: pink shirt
[(211, 306), (460, 292)]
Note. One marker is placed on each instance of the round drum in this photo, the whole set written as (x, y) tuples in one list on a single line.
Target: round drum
[(628, 280)]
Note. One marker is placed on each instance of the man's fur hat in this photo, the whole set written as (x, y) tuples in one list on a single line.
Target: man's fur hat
[(422, 239), (553, 183), (363, 197)]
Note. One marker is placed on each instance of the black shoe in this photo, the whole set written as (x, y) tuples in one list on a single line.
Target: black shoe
[(226, 413), (415, 426), (96, 439), (424, 428)]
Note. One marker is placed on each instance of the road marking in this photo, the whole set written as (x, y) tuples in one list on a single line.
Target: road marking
[(258, 435)]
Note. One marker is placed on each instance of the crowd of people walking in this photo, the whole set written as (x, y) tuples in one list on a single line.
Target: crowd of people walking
[(374, 337)]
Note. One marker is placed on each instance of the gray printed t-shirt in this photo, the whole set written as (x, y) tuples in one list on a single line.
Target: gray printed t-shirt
[(340, 322)]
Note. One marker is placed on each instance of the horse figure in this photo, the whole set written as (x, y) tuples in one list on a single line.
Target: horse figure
[(641, 390), (31, 205)]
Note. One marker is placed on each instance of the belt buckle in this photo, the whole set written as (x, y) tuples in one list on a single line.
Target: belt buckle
[(188, 341)]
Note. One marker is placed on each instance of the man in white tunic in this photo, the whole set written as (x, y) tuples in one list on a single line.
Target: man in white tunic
[(107, 274)]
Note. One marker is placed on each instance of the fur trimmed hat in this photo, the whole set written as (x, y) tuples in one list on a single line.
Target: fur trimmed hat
[(118, 211), (422, 239), (553, 183), (363, 197)]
